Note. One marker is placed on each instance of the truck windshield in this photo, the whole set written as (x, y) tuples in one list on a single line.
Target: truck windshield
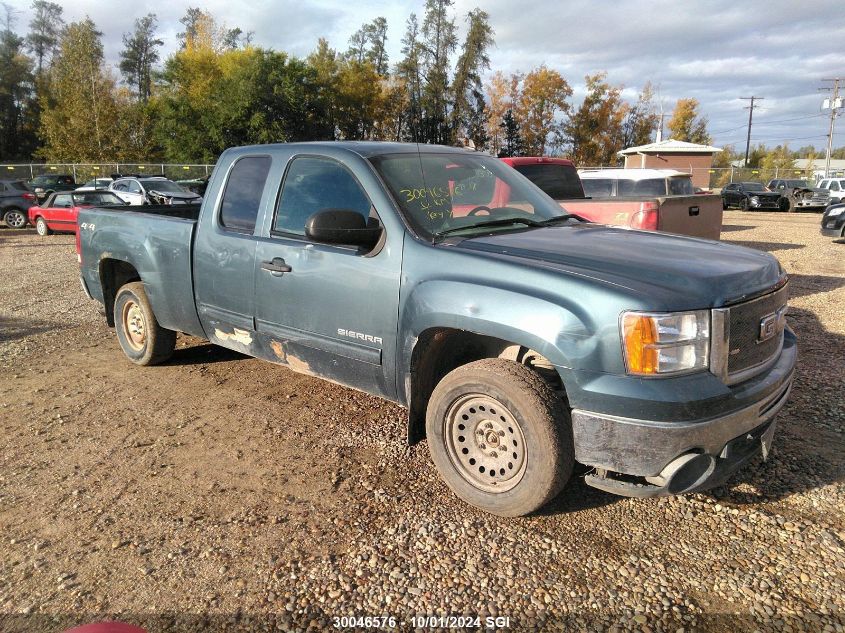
[(440, 193)]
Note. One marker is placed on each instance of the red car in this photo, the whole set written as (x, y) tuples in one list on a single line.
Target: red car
[(59, 211)]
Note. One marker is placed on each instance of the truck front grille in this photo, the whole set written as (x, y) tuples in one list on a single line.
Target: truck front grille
[(746, 352)]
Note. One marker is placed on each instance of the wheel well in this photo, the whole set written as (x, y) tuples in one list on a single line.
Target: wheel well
[(440, 350), (114, 273)]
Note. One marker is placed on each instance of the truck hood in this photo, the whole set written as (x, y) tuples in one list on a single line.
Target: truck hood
[(671, 269)]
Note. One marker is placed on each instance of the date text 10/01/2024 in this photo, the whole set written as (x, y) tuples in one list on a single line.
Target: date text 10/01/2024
[(421, 622)]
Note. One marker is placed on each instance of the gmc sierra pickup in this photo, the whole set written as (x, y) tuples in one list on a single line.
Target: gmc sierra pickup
[(520, 338)]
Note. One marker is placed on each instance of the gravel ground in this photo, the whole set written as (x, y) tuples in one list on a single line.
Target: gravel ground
[(219, 492)]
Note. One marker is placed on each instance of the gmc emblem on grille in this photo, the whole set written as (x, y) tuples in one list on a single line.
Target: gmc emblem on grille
[(772, 324)]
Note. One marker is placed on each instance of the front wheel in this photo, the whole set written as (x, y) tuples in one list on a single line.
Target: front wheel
[(143, 340), (41, 227), (500, 437), (15, 219), (743, 204)]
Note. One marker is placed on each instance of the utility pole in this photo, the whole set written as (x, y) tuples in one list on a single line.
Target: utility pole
[(750, 109), (835, 104)]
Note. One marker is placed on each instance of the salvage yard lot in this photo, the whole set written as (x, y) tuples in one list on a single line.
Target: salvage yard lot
[(222, 485)]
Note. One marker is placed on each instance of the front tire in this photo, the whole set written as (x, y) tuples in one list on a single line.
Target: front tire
[(41, 227), (15, 219), (143, 340), (500, 437), (743, 204)]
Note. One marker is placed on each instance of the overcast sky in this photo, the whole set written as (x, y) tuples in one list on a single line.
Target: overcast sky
[(715, 51)]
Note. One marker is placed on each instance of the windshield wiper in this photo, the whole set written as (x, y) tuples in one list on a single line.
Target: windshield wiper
[(506, 221), (502, 222), (561, 218)]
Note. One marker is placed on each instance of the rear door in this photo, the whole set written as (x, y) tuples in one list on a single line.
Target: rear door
[(224, 255), (334, 311)]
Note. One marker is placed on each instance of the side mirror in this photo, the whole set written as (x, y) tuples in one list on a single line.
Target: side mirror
[(342, 226)]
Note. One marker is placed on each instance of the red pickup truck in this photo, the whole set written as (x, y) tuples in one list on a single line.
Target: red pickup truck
[(695, 215)]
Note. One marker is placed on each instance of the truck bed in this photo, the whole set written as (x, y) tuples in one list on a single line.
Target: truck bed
[(697, 216), (158, 241)]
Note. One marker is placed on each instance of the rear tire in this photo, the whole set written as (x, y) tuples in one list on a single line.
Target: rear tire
[(41, 227), (500, 437), (15, 218), (786, 204), (143, 340)]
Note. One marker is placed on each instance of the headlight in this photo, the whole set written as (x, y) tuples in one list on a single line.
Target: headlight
[(755, 201), (665, 343), (834, 212)]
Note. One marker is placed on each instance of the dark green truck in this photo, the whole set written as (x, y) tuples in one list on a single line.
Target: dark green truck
[(520, 338)]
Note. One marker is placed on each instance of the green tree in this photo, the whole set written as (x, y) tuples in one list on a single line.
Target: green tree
[(641, 119), (377, 53), (723, 164), (468, 109), (17, 102), (439, 40), (326, 65), (409, 72), (543, 97), (687, 124), (81, 122), (140, 55), (512, 144), (777, 163), (45, 29), (594, 132)]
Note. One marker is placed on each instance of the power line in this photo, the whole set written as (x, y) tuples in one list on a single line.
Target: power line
[(750, 109), (765, 122)]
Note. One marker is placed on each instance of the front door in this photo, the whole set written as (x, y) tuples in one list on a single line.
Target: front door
[(325, 309)]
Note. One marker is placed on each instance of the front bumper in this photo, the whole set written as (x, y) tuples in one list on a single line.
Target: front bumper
[(637, 448), (830, 232)]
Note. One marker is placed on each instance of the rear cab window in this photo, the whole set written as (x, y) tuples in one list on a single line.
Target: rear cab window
[(561, 182), (242, 195)]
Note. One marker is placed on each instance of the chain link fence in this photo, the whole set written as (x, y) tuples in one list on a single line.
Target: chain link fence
[(82, 172)]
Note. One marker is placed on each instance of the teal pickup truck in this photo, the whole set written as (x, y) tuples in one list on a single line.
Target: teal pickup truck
[(520, 338)]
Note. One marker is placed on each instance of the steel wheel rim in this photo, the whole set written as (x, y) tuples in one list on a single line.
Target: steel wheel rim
[(134, 325), (41, 226), (15, 219), (485, 443)]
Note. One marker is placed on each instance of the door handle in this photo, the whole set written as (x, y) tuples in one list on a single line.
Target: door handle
[(276, 266), (694, 210)]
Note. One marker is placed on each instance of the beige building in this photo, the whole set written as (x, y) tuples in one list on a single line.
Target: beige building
[(671, 154)]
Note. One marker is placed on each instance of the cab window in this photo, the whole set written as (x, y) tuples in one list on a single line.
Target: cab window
[(315, 184), (242, 196), (63, 201)]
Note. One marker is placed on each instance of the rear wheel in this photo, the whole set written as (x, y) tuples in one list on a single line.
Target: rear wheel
[(500, 437), (41, 227), (15, 218), (786, 204), (143, 340)]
